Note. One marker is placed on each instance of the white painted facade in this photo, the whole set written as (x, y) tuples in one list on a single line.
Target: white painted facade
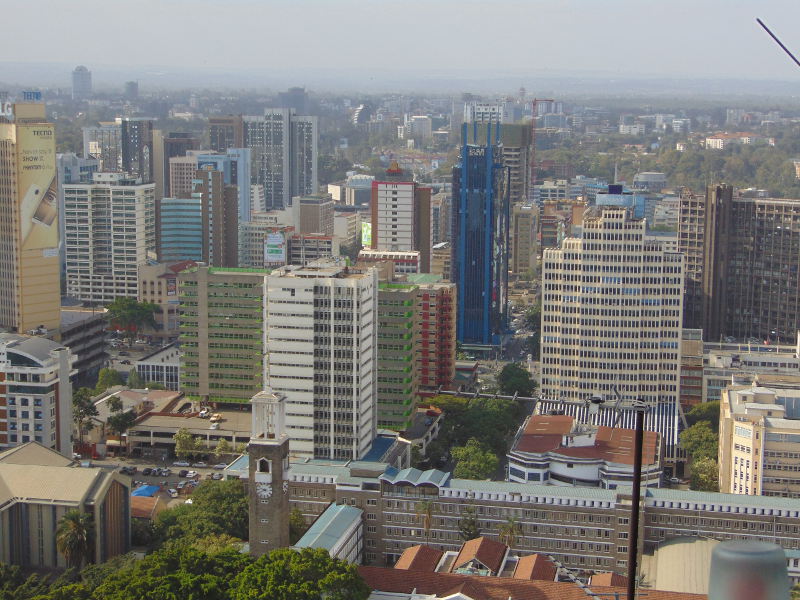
[(395, 229)]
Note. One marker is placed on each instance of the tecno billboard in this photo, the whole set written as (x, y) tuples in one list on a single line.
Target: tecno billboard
[(36, 185)]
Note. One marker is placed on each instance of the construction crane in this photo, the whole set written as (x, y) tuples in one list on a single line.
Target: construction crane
[(534, 106)]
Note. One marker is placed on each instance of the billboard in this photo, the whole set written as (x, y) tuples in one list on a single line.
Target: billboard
[(366, 233), (36, 185), (275, 249)]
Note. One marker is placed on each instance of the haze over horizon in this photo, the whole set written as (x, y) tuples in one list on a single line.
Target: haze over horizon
[(379, 42)]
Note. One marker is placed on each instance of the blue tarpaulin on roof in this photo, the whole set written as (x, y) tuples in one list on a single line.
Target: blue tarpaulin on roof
[(145, 490)]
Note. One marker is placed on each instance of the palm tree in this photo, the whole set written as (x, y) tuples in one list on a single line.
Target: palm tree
[(75, 538), (509, 531), (424, 510)]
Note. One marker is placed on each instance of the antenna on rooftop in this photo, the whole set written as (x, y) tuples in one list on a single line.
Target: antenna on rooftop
[(777, 41)]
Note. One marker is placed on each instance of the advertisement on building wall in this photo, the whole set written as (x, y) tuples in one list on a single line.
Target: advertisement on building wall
[(36, 179), (366, 234), (275, 249)]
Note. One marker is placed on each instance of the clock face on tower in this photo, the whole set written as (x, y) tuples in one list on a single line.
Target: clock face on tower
[(264, 490)]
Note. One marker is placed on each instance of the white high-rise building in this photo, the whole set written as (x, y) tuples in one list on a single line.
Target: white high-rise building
[(284, 155), (612, 309), (110, 231), (321, 354)]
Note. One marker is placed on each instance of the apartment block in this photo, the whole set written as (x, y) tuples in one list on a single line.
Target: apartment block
[(612, 319), (36, 397), (524, 227), (435, 361), (110, 229), (321, 342), (313, 213), (759, 440), (222, 313), (158, 284), (219, 204)]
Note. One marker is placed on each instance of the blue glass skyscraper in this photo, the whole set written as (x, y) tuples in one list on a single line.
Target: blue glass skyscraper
[(481, 214)]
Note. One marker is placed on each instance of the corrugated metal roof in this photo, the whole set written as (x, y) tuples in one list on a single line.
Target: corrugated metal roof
[(329, 527)]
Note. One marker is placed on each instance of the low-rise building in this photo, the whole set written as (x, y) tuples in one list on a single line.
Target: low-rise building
[(406, 261), (162, 366), (83, 331), (339, 531), (557, 450), (38, 487)]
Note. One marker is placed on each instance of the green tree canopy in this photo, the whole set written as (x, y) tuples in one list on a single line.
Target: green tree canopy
[(185, 443), (515, 379), (120, 422), (286, 574), (106, 379), (135, 382), (83, 409), (705, 475), (705, 411), (75, 538), (700, 441), (474, 461), (297, 525), (130, 316), (468, 524)]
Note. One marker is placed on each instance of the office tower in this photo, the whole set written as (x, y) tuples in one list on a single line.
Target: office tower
[(263, 244), (295, 98), (691, 222), (479, 267), (37, 392), (222, 348), (181, 230), (131, 90), (435, 360), (225, 132), (486, 112), (71, 168), (137, 147), (750, 267), (313, 213), (81, 83), (284, 155), (441, 205), (30, 295), (358, 190), (398, 342), (321, 347), (174, 144), (516, 157), (524, 225), (305, 248), (110, 231), (759, 439), (234, 163), (182, 170), (611, 319), (441, 258), (219, 204), (158, 284), (401, 215), (104, 143)]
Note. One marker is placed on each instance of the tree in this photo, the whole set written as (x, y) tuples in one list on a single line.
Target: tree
[(700, 441), (75, 538), (474, 461), (241, 448), (297, 525), (468, 524), (705, 411), (130, 316), (286, 574), (83, 409), (515, 379), (424, 511), (135, 381), (114, 404), (705, 475), (223, 447), (509, 531), (185, 443), (106, 379), (120, 422)]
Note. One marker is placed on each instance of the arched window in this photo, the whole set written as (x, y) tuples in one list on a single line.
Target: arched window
[(263, 465)]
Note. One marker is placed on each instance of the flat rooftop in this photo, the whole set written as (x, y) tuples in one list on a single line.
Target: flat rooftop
[(233, 421)]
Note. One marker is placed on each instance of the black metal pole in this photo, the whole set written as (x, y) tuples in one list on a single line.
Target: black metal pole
[(633, 531)]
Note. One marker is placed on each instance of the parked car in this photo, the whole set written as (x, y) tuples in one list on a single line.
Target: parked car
[(216, 476), (182, 472), (205, 413), (181, 485), (124, 353), (125, 362), (214, 426), (172, 493), (147, 471), (191, 474), (220, 466), (166, 472), (180, 463), (199, 465), (674, 480)]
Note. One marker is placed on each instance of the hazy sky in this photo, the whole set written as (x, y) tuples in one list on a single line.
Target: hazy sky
[(693, 38)]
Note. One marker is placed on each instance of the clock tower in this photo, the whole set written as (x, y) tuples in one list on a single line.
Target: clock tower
[(268, 484)]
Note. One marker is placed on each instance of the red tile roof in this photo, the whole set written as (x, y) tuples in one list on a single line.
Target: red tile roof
[(488, 552), (491, 588), (608, 579), (419, 558), (535, 566)]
